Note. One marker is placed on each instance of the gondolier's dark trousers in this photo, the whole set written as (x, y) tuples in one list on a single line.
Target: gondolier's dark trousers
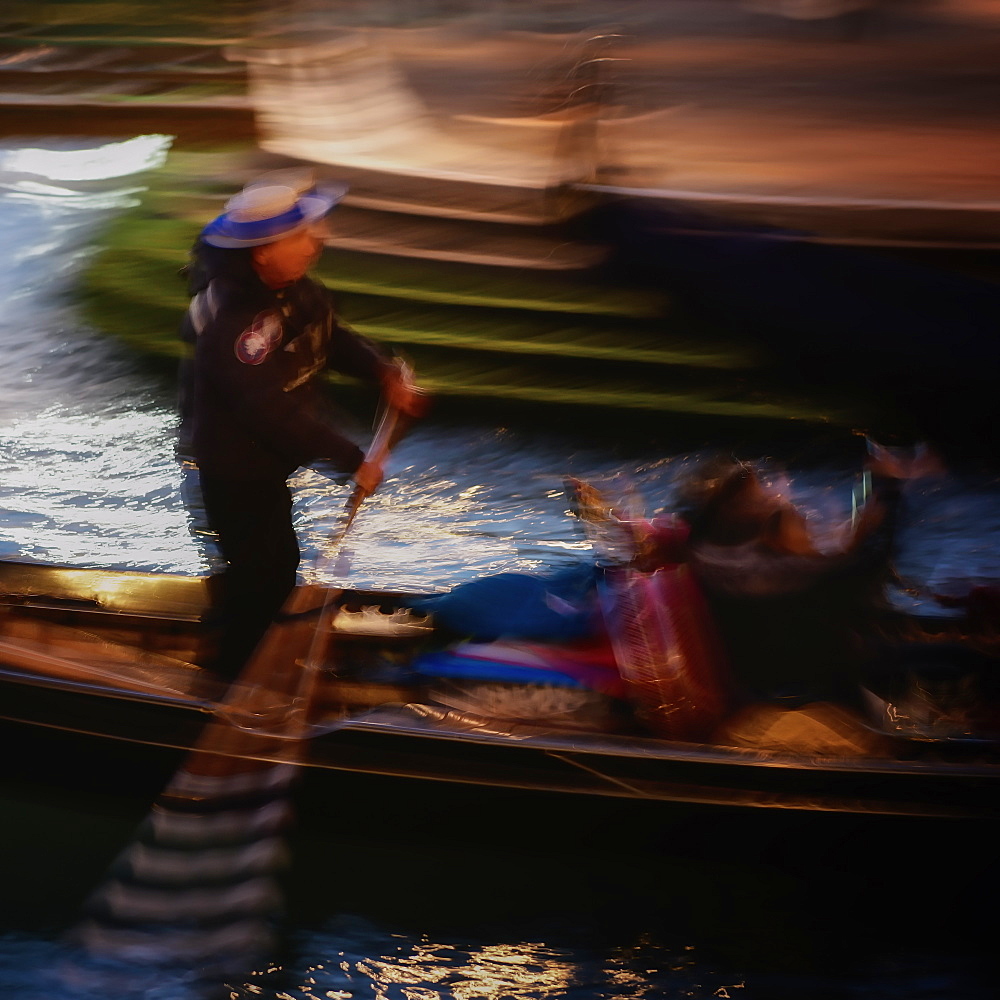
[(253, 522)]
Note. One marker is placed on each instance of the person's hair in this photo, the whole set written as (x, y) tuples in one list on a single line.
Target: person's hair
[(208, 262), (705, 499)]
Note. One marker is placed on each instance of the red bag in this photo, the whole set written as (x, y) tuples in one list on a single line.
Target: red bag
[(668, 652)]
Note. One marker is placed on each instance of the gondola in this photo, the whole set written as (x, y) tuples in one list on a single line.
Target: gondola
[(118, 658)]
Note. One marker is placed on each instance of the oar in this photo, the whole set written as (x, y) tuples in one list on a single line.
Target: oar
[(197, 887), (392, 425)]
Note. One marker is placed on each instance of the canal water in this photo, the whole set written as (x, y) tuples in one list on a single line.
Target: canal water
[(430, 897)]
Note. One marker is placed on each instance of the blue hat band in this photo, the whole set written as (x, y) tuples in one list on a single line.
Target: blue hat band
[(226, 231), (260, 229)]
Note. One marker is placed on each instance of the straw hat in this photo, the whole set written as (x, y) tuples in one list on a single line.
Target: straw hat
[(266, 212)]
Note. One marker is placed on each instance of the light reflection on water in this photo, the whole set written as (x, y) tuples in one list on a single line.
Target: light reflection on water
[(458, 503), (86, 440), (88, 476), (428, 968), (351, 958)]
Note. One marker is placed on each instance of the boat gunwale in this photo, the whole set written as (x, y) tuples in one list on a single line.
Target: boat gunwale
[(655, 749), (173, 699), (582, 743)]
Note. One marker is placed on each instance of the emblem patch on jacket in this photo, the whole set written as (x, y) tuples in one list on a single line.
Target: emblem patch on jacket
[(261, 337)]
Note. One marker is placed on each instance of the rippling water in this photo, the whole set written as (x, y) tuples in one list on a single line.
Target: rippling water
[(86, 440), (89, 478), (352, 958)]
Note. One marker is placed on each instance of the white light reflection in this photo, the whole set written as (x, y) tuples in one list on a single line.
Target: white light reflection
[(114, 159), (86, 449), (67, 198), (422, 535), (94, 489)]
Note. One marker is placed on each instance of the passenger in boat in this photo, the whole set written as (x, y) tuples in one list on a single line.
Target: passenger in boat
[(252, 411), (793, 620)]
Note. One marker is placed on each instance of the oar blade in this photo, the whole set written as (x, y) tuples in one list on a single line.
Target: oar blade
[(198, 887)]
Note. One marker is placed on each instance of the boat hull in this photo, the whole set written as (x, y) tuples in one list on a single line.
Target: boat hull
[(136, 702)]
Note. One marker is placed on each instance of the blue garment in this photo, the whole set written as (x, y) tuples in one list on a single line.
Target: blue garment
[(451, 664), (557, 608)]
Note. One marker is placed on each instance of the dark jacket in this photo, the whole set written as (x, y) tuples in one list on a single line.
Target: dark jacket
[(251, 404)]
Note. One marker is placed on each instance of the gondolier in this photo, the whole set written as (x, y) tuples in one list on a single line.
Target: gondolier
[(261, 332)]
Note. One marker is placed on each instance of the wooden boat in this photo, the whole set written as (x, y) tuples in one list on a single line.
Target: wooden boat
[(119, 656)]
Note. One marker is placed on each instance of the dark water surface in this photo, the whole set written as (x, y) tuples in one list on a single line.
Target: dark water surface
[(407, 892), (431, 893)]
